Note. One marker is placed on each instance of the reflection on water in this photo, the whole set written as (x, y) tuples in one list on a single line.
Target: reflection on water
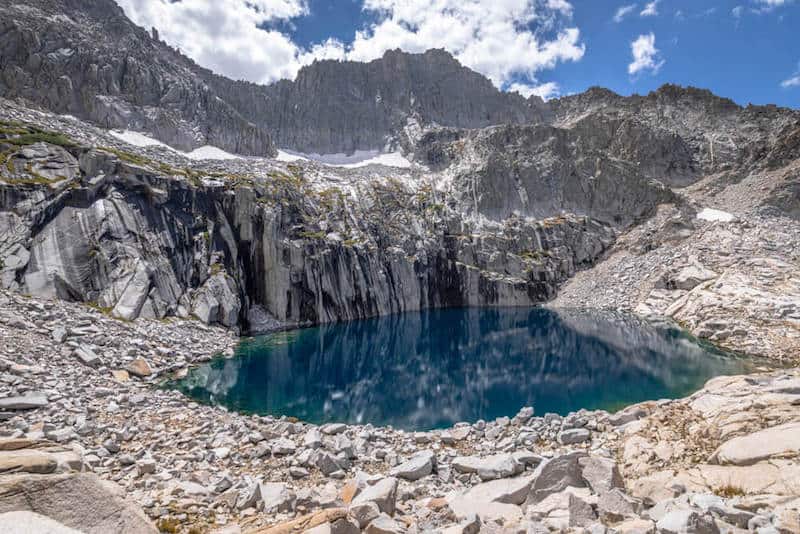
[(434, 368)]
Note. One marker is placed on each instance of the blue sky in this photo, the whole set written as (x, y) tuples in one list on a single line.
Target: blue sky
[(748, 50)]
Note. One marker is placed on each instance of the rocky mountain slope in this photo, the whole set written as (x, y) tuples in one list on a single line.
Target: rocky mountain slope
[(86, 58)]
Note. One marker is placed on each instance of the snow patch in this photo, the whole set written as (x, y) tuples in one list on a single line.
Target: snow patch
[(710, 214), (136, 138), (359, 158), (142, 140), (289, 156), (210, 152)]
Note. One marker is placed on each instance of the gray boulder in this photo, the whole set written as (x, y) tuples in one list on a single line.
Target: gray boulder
[(80, 501)]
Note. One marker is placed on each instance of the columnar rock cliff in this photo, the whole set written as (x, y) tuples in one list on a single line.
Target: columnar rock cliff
[(261, 244)]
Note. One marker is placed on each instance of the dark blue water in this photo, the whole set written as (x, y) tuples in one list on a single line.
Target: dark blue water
[(431, 369)]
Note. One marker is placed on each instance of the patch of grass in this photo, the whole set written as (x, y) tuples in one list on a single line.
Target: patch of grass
[(16, 133), (305, 234), (128, 157), (729, 491), (105, 310), (169, 525)]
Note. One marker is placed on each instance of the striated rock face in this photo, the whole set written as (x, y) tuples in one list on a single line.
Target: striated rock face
[(140, 237), (336, 106)]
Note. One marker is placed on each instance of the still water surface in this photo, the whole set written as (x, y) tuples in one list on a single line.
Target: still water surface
[(434, 368)]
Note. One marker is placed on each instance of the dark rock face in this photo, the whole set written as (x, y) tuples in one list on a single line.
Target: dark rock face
[(87, 59), (336, 106), (140, 238), (538, 171)]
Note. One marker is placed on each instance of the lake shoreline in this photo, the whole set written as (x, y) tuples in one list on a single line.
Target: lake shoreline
[(211, 468)]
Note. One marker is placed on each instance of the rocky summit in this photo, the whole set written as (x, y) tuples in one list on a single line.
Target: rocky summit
[(124, 263)]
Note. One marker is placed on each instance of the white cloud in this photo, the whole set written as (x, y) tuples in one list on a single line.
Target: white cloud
[(645, 55), (546, 90), (623, 11), (737, 11), (650, 9), (503, 39), (223, 35), (489, 36), (791, 82)]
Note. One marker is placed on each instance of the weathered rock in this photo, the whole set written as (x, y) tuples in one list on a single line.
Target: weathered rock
[(364, 513), (506, 490), (383, 493), (563, 510), (555, 475), (574, 435), (614, 505), (276, 497), (488, 467), (88, 357), (601, 474), (419, 465), (687, 521), (139, 367), (27, 461), (777, 441), (79, 501), (24, 522), (29, 401), (383, 524)]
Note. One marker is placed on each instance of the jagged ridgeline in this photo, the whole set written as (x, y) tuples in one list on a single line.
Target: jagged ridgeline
[(506, 199)]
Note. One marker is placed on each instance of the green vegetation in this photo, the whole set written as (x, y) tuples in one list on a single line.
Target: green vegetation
[(16, 133), (729, 491), (127, 156), (312, 235)]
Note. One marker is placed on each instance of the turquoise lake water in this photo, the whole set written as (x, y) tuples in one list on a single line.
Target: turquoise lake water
[(431, 369)]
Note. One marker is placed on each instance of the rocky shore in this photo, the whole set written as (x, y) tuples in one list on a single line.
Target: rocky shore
[(81, 409)]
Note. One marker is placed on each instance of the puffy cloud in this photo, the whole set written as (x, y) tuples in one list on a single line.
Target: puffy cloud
[(503, 39), (791, 82), (546, 90), (645, 55), (224, 35), (623, 11), (500, 38), (650, 9)]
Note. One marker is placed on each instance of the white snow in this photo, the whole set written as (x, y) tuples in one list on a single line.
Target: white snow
[(210, 152), (142, 140), (289, 156), (359, 158), (136, 138), (710, 214)]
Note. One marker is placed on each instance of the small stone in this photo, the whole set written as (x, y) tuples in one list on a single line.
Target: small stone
[(139, 367), (574, 435), (383, 524), (332, 429), (383, 493), (29, 401), (87, 357), (364, 513), (420, 465)]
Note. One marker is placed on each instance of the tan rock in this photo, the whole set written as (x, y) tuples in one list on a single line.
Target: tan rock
[(81, 501), (306, 522), (139, 367), (27, 461), (778, 441), (488, 511), (120, 375), (23, 522)]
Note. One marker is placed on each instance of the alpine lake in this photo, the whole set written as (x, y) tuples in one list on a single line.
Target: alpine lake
[(431, 369)]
